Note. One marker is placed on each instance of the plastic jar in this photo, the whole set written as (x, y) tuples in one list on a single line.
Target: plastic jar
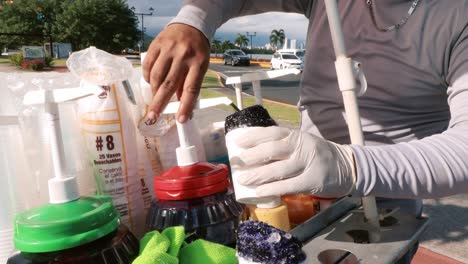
[(197, 197), (301, 207), (87, 230)]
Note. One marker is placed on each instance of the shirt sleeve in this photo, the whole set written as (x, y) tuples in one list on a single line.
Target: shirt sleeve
[(432, 167), (209, 15)]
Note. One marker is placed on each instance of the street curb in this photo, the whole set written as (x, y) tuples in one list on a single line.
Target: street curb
[(220, 82), (280, 103)]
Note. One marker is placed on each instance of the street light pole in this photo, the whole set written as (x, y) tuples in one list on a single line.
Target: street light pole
[(142, 24), (47, 19), (251, 44)]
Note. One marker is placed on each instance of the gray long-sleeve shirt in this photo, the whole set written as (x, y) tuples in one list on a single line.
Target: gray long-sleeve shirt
[(415, 111)]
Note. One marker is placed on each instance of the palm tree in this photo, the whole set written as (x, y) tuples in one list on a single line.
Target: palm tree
[(216, 45), (277, 37), (227, 45), (241, 40)]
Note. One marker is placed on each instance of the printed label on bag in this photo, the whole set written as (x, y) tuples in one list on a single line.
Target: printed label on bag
[(109, 143)]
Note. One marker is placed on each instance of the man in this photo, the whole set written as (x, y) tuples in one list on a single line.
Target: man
[(414, 114)]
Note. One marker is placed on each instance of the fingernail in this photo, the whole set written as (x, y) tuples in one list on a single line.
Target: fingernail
[(152, 117), (182, 119), (150, 122)]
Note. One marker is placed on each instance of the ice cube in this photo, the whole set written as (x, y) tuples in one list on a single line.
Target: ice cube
[(274, 238)]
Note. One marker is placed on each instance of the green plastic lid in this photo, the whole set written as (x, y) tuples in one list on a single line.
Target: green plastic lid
[(55, 227)]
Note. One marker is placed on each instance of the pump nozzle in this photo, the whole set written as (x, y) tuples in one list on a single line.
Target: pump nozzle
[(62, 188), (186, 152)]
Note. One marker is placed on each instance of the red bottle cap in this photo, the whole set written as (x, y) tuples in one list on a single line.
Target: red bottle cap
[(193, 181)]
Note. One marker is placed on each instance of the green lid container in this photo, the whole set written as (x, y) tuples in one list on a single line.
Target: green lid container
[(56, 227)]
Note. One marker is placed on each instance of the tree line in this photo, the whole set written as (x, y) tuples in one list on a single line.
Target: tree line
[(107, 24), (277, 37)]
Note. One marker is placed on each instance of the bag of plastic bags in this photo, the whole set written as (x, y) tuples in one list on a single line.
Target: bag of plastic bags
[(109, 130)]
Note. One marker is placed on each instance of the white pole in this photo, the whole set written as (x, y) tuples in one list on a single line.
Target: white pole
[(347, 85), (238, 87), (257, 89)]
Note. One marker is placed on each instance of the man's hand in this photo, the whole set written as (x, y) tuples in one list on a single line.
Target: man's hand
[(294, 162), (176, 61)]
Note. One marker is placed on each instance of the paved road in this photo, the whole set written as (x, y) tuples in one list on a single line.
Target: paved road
[(281, 90), (6, 67)]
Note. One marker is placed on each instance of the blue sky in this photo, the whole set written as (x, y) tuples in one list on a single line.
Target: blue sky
[(294, 25)]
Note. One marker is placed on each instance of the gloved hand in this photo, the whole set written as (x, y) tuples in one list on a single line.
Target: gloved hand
[(294, 162)]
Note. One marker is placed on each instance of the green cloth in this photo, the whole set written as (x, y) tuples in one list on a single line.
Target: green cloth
[(169, 247), (205, 252), (162, 247)]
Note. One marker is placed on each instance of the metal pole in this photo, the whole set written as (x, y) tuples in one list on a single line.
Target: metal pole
[(251, 40), (347, 85), (142, 33), (142, 38), (51, 43), (251, 46)]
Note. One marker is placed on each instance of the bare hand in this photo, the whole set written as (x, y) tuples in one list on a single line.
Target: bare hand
[(176, 61)]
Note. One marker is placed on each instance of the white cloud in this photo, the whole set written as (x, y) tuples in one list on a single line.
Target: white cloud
[(294, 25)]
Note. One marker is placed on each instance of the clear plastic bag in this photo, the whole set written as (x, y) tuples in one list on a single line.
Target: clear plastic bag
[(108, 126), (36, 138), (25, 155)]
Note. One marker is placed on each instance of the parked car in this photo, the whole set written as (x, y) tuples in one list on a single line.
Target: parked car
[(236, 57), (286, 61), (298, 52), (128, 51)]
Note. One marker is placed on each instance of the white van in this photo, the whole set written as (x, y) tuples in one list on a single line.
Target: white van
[(298, 52)]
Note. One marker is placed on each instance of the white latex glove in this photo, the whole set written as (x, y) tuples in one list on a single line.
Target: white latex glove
[(294, 162)]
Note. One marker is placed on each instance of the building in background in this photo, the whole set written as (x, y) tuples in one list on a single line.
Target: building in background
[(61, 50), (292, 44)]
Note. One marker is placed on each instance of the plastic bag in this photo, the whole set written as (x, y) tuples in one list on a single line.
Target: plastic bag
[(25, 153), (110, 131), (35, 136)]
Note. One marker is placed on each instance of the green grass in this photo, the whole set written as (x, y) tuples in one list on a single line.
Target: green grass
[(59, 62), (210, 80), (279, 112), (4, 60), (56, 62)]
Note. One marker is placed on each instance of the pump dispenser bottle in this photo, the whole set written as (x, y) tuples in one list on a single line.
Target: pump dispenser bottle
[(195, 194), (70, 229), (266, 209)]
